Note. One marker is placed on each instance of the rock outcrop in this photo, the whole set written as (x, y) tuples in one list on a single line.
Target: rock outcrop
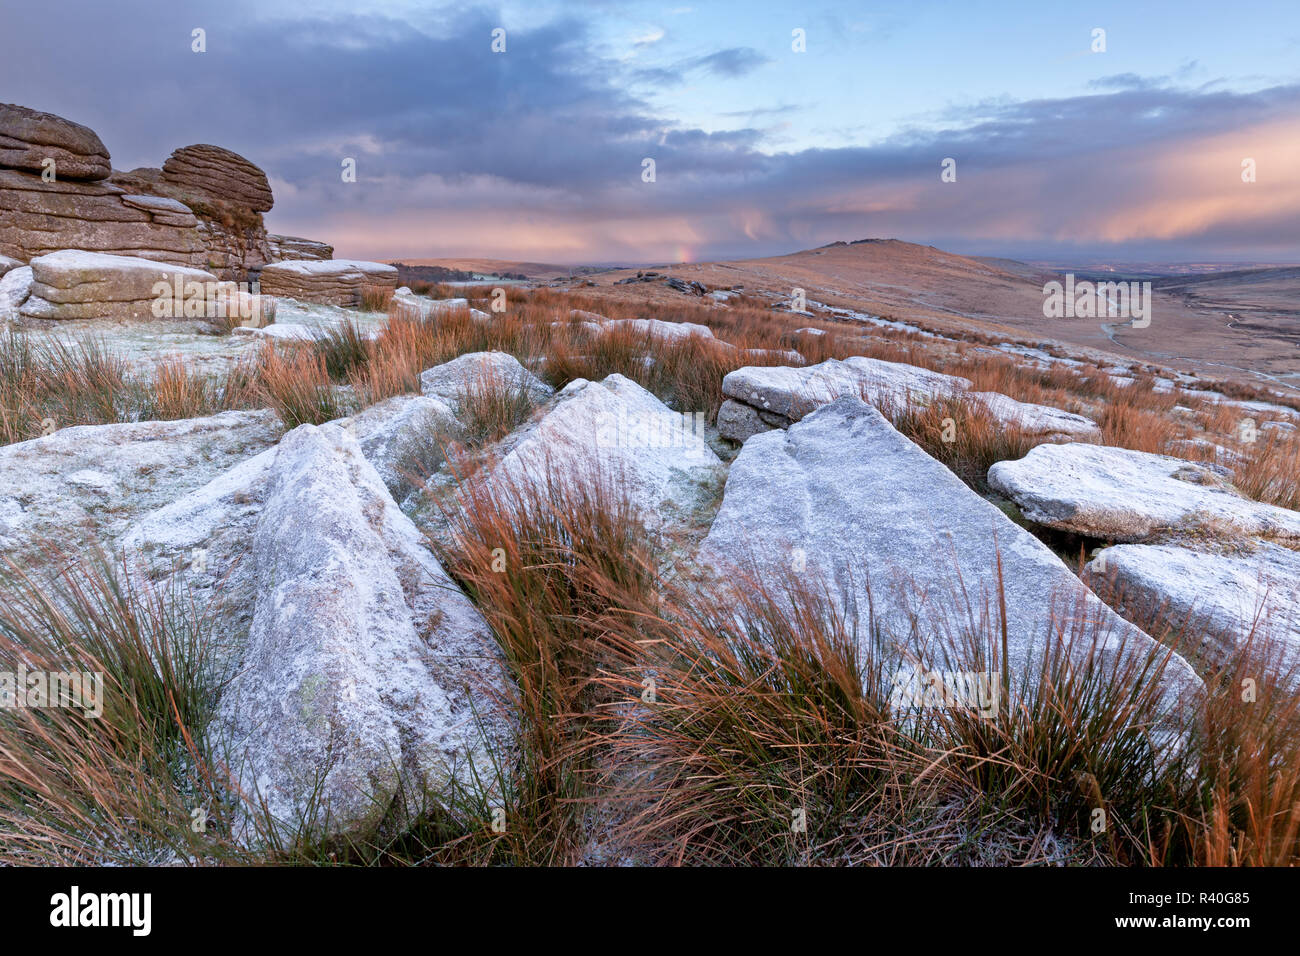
[(219, 174), (203, 209), (1128, 496), (29, 139), (844, 502), (452, 380), (329, 282), (759, 398), (1222, 597), (615, 431), (86, 484), (38, 217), (287, 248), (87, 285), (367, 688)]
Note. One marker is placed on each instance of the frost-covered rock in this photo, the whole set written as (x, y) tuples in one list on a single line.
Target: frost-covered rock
[(1125, 495), (328, 281), (409, 305), (843, 501), (1038, 420), (1221, 597), (15, 287), (615, 430), (401, 437), (367, 686), (660, 330), (292, 332), (471, 371), (783, 394), (71, 284), (86, 484)]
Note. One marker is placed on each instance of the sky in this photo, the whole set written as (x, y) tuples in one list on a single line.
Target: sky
[(1061, 151)]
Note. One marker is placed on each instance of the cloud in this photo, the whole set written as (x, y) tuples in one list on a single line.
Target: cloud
[(536, 153), (735, 61), (649, 38)]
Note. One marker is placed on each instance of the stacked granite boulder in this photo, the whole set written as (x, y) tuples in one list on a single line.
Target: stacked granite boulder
[(55, 194), (331, 282), (220, 174), (203, 209), (287, 248), (90, 285)]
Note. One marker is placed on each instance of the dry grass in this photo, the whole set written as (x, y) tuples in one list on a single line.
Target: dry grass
[(962, 433), (1271, 470), (491, 406), (375, 298), (76, 788), (296, 384), (538, 559)]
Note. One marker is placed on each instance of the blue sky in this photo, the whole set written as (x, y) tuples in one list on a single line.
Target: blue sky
[(537, 153)]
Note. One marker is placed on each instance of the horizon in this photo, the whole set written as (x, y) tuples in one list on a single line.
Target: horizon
[(1063, 152)]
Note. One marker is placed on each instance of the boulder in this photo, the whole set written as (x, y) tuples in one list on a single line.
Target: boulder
[(219, 174), (8, 264), (37, 218), (29, 137), (781, 394), (1039, 421), (740, 422), (367, 690), (411, 306), (86, 484), (1124, 495), (1216, 597), (329, 282), (72, 284), (844, 502), (296, 332), (15, 287), (402, 437), (451, 380), (289, 248), (616, 431), (659, 330)]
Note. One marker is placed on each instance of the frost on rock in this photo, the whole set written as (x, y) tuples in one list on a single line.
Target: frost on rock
[(1223, 597), (1124, 495), (615, 430), (84, 485), (843, 501), (451, 380), (367, 684)]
